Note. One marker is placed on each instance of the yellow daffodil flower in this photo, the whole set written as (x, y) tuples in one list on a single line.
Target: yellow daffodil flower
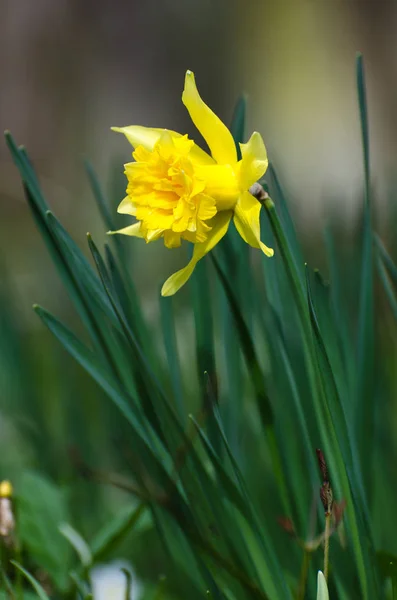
[(177, 191)]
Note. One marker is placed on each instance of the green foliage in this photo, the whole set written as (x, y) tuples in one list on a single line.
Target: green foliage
[(213, 453), (40, 508), (35, 584)]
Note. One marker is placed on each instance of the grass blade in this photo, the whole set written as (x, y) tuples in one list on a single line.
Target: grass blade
[(35, 584), (365, 339)]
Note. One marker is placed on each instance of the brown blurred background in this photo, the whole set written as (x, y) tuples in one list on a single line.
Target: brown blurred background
[(72, 68)]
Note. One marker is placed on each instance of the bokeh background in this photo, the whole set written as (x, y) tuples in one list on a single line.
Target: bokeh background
[(70, 69)]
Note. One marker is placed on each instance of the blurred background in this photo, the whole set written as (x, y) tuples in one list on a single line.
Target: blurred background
[(69, 71)]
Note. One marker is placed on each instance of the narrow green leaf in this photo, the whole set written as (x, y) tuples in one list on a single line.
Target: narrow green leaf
[(340, 319), (110, 536), (280, 200), (90, 363), (10, 593), (144, 384), (100, 198), (26, 171), (345, 433), (120, 275), (362, 103), (76, 272), (78, 543), (129, 301), (205, 345), (387, 269), (248, 349), (258, 533), (325, 365), (386, 259), (102, 268), (390, 293), (365, 340), (171, 349), (169, 425), (80, 586), (145, 441), (35, 584), (204, 325), (232, 491), (82, 272), (80, 280)]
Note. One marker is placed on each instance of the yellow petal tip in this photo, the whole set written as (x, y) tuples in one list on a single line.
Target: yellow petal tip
[(269, 252), (166, 291), (189, 81)]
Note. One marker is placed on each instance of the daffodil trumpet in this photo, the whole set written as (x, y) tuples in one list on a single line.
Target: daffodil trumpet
[(177, 191)]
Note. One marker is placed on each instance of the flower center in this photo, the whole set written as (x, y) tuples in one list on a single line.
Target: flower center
[(167, 195)]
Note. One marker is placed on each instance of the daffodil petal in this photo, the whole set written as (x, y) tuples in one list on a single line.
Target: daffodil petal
[(254, 161), (178, 279), (219, 224), (153, 234), (138, 135), (220, 183), (215, 133), (126, 207), (132, 230), (172, 239), (147, 137), (246, 220), (200, 157)]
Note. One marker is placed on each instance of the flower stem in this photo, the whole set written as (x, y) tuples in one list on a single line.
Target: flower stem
[(298, 290), (326, 543), (292, 270)]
